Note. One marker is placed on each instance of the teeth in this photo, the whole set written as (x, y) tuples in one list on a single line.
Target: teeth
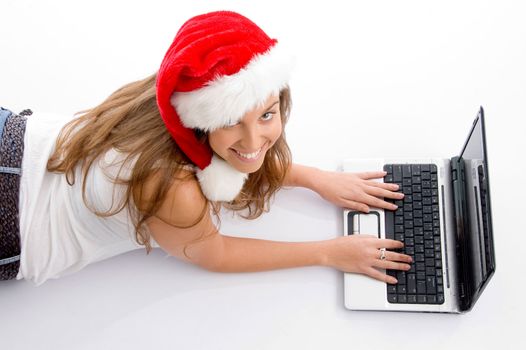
[(249, 155)]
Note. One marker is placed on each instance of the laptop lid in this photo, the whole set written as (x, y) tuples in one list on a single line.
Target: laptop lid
[(475, 246)]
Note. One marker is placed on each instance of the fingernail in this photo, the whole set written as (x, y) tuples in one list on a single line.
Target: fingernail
[(394, 206), (394, 280)]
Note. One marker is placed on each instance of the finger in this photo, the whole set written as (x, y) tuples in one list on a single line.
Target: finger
[(357, 206), (374, 273), (388, 244), (371, 175), (378, 203), (393, 256), (380, 192), (387, 186), (391, 265)]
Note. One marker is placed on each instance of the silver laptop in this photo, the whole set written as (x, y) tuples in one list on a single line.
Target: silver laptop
[(445, 223)]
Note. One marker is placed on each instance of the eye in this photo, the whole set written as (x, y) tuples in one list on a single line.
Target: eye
[(268, 116)]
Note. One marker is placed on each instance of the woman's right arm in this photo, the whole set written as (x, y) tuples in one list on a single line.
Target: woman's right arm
[(221, 253)]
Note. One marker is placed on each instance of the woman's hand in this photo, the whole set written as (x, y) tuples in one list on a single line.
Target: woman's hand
[(363, 254), (356, 191)]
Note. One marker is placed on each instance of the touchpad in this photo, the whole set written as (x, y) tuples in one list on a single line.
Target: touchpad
[(364, 223)]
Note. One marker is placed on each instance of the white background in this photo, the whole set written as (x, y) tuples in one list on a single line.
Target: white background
[(367, 72)]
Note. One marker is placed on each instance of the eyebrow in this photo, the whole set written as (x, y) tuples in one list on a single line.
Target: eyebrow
[(272, 105)]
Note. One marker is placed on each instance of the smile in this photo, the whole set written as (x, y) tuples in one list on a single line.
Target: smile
[(250, 157)]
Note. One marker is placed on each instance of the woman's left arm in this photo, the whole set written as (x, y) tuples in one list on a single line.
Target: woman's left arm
[(356, 191)]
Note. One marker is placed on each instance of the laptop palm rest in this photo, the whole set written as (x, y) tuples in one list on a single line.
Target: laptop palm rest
[(364, 288)]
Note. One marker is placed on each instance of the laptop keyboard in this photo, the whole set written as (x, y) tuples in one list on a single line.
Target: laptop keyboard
[(416, 223)]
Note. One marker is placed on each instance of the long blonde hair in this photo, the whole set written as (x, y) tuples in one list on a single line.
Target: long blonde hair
[(129, 122)]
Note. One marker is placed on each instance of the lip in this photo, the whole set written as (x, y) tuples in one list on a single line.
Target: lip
[(245, 160)]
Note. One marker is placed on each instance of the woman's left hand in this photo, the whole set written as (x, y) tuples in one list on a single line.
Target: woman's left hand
[(357, 191)]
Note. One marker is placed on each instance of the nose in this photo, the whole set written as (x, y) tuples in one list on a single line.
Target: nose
[(251, 137)]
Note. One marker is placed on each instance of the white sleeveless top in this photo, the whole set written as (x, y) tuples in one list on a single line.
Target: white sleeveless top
[(59, 233)]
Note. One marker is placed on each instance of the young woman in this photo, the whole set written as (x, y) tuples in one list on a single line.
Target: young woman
[(151, 165)]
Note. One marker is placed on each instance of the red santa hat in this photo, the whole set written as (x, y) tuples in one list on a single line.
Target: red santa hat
[(219, 66)]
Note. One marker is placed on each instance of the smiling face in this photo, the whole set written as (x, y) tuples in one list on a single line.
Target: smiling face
[(245, 144)]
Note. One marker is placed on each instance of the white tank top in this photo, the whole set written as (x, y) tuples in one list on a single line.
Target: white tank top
[(59, 233)]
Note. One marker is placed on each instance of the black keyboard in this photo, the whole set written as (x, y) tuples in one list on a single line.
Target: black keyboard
[(416, 223)]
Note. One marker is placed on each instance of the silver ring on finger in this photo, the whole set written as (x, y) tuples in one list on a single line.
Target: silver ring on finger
[(382, 253)]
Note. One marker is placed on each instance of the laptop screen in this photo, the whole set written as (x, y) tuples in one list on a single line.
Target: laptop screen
[(479, 231)]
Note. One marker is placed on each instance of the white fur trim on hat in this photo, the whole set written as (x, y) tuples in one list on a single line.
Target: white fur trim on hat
[(225, 100), (220, 181)]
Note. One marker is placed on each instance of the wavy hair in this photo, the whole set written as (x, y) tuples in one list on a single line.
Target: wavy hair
[(129, 121)]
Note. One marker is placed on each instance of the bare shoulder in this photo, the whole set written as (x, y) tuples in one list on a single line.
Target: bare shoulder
[(183, 218)]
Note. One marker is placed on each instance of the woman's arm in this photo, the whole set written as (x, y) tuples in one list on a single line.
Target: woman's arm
[(347, 190), (358, 254)]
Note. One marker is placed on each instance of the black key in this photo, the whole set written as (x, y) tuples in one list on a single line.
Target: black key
[(421, 287), (418, 213), (422, 299), (434, 177), (401, 289), (407, 182), (430, 253), (406, 171), (411, 299), (391, 289), (397, 173), (409, 242), (402, 299), (388, 178), (400, 276), (426, 192), (418, 222), (431, 299), (415, 169), (426, 176), (389, 224), (388, 168), (440, 298), (430, 262), (408, 198), (411, 283), (409, 250), (408, 215), (408, 224), (399, 220), (417, 205), (419, 257), (419, 239), (417, 188), (431, 285), (440, 288), (417, 180), (433, 169), (392, 298), (419, 248), (399, 237), (428, 244), (425, 167), (421, 275), (426, 184), (430, 271), (399, 228), (435, 216), (407, 190)]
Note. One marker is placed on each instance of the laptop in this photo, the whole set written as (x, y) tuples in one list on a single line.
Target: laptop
[(445, 223)]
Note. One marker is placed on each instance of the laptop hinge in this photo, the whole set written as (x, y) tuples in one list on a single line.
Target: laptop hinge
[(464, 277)]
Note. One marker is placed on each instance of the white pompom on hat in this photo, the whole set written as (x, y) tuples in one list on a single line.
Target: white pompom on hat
[(219, 66)]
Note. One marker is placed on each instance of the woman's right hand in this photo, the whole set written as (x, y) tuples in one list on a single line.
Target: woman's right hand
[(362, 254)]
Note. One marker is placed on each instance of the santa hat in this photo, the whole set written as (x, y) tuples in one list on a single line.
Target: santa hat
[(219, 66)]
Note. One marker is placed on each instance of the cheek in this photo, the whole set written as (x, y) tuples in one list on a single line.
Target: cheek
[(276, 131)]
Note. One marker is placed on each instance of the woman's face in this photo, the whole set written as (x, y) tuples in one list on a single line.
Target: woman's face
[(245, 144)]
